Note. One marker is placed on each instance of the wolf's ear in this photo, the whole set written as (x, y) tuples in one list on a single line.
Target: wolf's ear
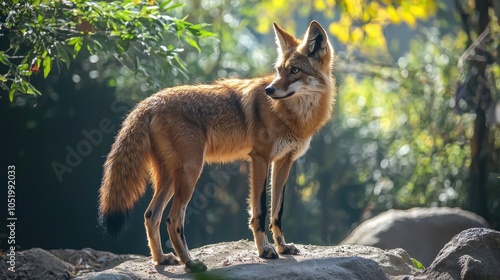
[(315, 42), (284, 40)]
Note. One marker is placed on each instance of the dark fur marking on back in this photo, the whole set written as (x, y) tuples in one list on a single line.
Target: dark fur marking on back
[(196, 119), (235, 100)]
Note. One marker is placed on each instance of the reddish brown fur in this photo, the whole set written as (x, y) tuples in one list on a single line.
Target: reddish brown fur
[(170, 135)]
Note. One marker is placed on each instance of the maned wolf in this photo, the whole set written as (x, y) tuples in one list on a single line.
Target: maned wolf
[(268, 121)]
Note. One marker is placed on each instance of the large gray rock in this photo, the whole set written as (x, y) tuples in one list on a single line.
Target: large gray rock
[(40, 264), (422, 232), (36, 264), (472, 254), (238, 260)]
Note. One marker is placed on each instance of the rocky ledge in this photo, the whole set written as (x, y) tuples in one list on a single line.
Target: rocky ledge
[(471, 254)]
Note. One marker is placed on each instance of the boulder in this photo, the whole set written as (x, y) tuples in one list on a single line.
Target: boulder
[(40, 264), (422, 232), (36, 263), (472, 254), (239, 260)]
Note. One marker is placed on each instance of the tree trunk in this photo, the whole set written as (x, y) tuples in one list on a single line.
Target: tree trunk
[(479, 142)]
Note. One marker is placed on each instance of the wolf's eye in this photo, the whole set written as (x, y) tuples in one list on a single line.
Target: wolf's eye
[(295, 70)]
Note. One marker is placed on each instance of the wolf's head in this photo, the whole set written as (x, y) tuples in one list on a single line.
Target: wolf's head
[(303, 67)]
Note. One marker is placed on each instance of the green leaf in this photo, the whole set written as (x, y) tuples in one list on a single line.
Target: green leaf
[(163, 4), (193, 43), (197, 30), (77, 43), (4, 58), (73, 40), (205, 33), (47, 65), (13, 88), (23, 67), (181, 63), (77, 47), (417, 264), (63, 54), (30, 89), (173, 7)]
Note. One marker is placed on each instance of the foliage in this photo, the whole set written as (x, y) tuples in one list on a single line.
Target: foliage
[(416, 147), (354, 23), (43, 34), (236, 51), (239, 51), (395, 142)]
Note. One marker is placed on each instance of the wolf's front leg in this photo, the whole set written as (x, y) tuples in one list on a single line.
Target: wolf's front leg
[(258, 180), (281, 169)]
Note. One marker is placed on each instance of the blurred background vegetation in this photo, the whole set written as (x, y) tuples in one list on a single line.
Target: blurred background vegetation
[(415, 122)]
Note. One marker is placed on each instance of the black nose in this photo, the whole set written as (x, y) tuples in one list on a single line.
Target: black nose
[(270, 90)]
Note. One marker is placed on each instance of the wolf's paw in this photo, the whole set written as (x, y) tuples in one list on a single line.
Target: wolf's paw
[(288, 249), (168, 259), (196, 266), (269, 252)]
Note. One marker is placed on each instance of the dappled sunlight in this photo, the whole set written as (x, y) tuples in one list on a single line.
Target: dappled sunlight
[(402, 131)]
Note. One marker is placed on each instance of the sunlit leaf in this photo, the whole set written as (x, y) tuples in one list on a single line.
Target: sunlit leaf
[(357, 35), (164, 3), (173, 7), (340, 31), (319, 5), (354, 8), (23, 66), (393, 15), (47, 65), (193, 43)]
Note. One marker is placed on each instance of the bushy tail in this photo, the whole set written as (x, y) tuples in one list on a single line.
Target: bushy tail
[(125, 171)]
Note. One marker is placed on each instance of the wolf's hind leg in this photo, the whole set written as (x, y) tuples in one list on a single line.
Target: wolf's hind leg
[(152, 217), (280, 172), (185, 178)]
